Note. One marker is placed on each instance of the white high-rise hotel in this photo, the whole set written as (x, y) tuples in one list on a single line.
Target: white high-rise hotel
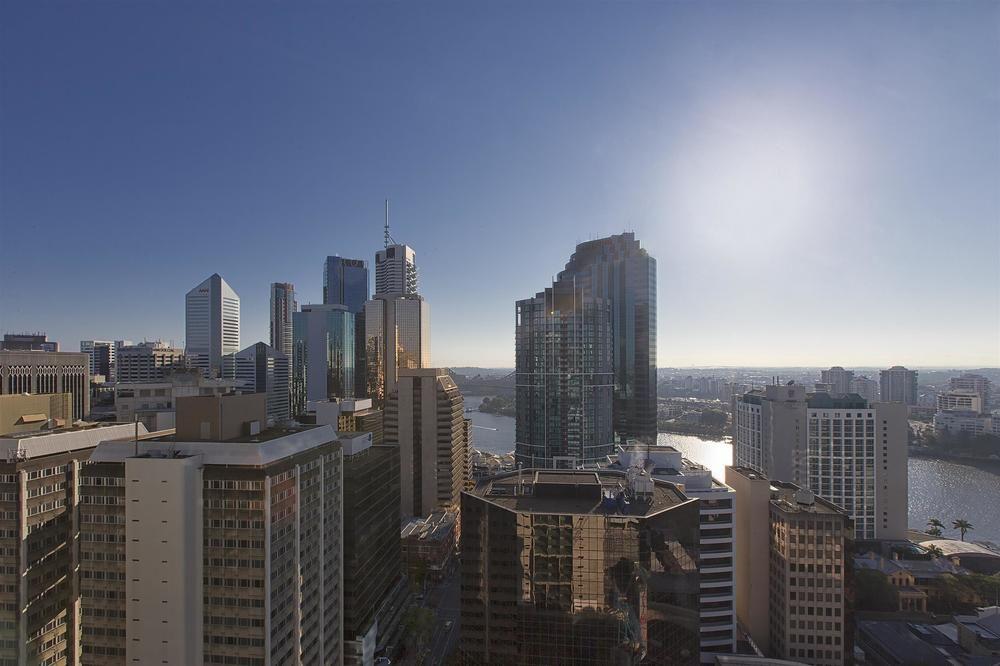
[(212, 324)]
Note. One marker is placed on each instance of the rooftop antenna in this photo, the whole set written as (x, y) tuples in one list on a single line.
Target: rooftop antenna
[(387, 237)]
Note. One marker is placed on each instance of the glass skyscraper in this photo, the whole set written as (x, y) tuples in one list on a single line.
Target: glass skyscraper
[(563, 378), (345, 282), (323, 358), (619, 270)]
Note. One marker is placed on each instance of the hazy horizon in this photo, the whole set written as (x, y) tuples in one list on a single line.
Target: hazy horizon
[(817, 181)]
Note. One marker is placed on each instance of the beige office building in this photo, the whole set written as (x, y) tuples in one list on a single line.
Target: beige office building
[(24, 412), (45, 372), (425, 418), (397, 337), (221, 544), (791, 570), (39, 528), (147, 362)]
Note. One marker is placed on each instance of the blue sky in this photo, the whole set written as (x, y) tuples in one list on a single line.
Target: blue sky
[(820, 183)]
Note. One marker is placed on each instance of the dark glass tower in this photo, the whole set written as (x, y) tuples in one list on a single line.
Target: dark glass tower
[(345, 282), (617, 269), (563, 378)]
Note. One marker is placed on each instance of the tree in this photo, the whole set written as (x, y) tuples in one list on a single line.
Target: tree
[(935, 523), (934, 531), (418, 623), (962, 526), (934, 551), (874, 592)]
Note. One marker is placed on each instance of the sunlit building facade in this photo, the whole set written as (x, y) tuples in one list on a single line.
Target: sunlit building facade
[(323, 357), (397, 336), (579, 567), (48, 372), (564, 378), (212, 325), (396, 270)]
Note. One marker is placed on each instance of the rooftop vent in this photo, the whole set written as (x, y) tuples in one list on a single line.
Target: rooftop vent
[(805, 497)]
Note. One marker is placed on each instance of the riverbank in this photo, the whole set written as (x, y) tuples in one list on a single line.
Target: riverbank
[(986, 464)]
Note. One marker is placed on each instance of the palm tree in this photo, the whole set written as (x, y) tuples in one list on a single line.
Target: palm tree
[(934, 551), (934, 523), (933, 531), (962, 526)]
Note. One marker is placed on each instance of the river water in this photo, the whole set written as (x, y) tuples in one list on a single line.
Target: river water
[(938, 488)]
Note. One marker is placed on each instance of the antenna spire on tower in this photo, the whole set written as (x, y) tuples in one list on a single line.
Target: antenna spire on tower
[(386, 239)]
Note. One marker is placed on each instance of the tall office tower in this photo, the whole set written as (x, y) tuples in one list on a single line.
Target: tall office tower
[(148, 361), (102, 356), (564, 379), (618, 270), (322, 355), (424, 418), (715, 508), (792, 551), (866, 388), (397, 336), (262, 369), (579, 567), (212, 324), (28, 342), (40, 618), (847, 450), (345, 282), (220, 544), (898, 385), (838, 379), (396, 270), (372, 561), (48, 372), (283, 306), (973, 382)]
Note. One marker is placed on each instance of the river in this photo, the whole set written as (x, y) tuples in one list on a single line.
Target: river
[(938, 488)]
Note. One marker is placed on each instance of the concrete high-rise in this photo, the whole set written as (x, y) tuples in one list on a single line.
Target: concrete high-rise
[(866, 388), (618, 270), (838, 379), (148, 361), (345, 282), (898, 385), (792, 564), (212, 324), (845, 449), (262, 369), (564, 378), (48, 372), (973, 382), (220, 544), (283, 306), (397, 336), (424, 418), (28, 342), (41, 615), (579, 567), (396, 270), (102, 357), (323, 358)]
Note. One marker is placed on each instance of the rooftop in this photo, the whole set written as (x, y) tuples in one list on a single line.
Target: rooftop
[(81, 435), (579, 492)]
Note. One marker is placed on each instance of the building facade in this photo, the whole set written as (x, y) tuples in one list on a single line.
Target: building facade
[(323, 355), (798, 568), (48, 372), (839, 446), (40, 617), (345, 282), (618, 270), (716, 506), (396, 270), (972, 382), (965, 400), (262, 369), (897, 384), (579, 567), (212, 324), (350, 415), (866, 388), (154, 403), (838, 379), (424, 418), (233, 544), (28, 342), (102, 357), (564, 378), (283, 307), (397, 336), (148, 362)]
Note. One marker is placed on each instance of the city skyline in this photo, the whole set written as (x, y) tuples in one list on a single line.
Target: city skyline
[(828, 213)]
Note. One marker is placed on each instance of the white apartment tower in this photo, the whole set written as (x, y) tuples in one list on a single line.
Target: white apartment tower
[(845, 449), (396, 270), (212, 324)]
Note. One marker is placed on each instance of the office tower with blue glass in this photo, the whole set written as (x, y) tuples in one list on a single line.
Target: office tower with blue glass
[(564, 375), (620, 271), (345, 282), (323, 354)]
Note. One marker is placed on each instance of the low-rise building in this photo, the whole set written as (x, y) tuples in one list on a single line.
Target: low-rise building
[(349, 415), (154, 403), (24, 412), (45, 372), (973, 424), (429, 543)]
